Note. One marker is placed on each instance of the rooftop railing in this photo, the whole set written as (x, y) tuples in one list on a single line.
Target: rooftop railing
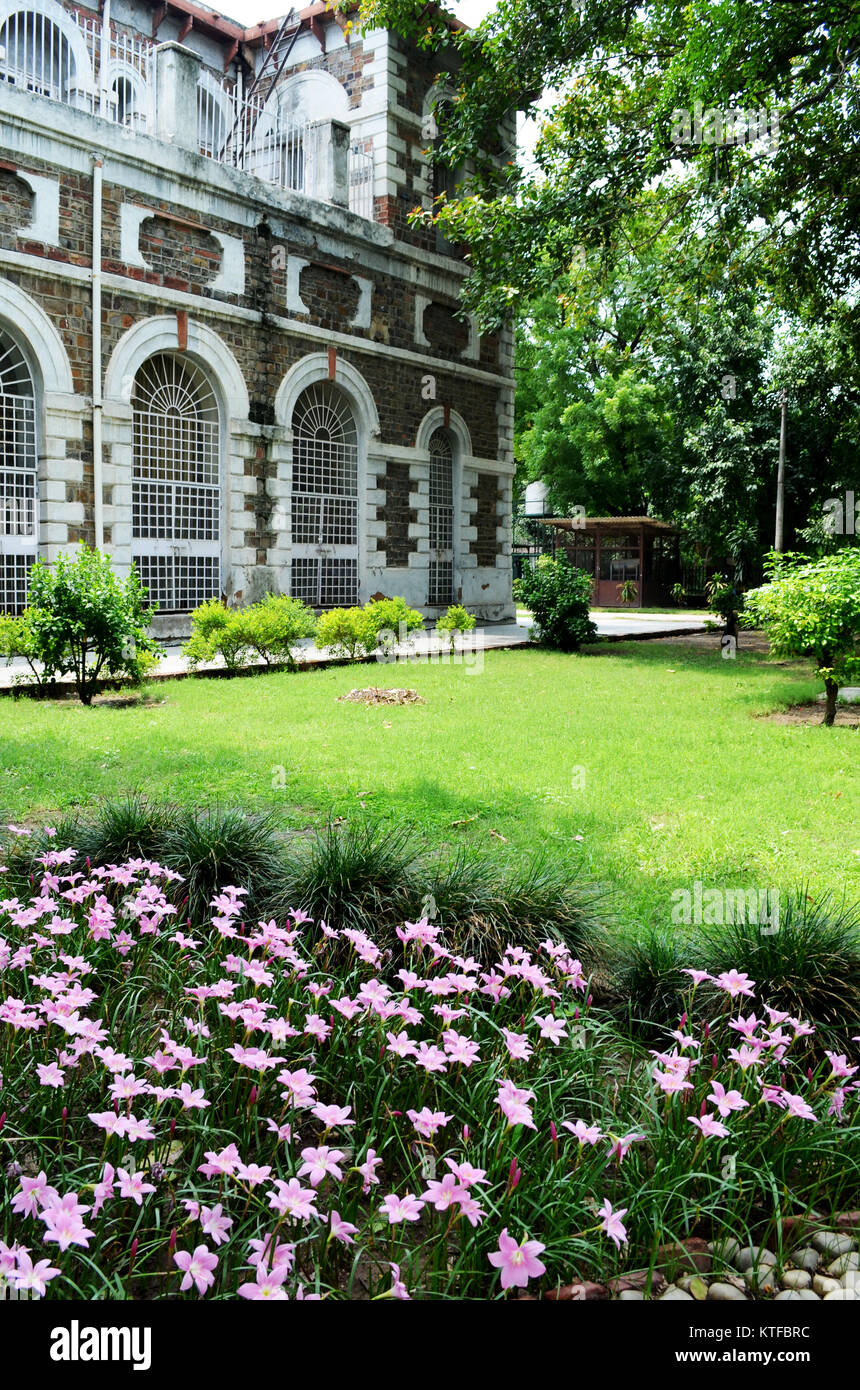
[(113, 76)]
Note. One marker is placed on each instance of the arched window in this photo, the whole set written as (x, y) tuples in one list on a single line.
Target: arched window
[(325, 498), (441, 518), (38, 56), (176, 483), (18, 460), (127, 98)]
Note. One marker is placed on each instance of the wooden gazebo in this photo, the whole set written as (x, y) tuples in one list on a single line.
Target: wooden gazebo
[(637, 551)]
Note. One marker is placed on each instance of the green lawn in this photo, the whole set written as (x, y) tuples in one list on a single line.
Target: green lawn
[(681, 779)]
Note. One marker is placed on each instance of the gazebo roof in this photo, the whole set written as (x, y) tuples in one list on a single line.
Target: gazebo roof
[(567, 523)]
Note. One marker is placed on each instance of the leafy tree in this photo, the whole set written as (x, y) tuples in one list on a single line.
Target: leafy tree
[(814, 610), (84, 621), (619, 72)]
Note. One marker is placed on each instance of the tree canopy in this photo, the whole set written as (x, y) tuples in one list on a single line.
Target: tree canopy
[(680, 248)]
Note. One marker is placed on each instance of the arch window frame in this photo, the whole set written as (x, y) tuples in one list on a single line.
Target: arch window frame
[(325, 541), (442, 518), (67, 76), (178, 480), (19, 471), (140, 115)]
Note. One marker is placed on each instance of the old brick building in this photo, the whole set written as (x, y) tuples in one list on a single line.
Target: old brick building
[(225, 354)]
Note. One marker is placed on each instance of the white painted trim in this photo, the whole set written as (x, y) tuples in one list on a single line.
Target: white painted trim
[(44, 225), (131, 219), (231, 277)]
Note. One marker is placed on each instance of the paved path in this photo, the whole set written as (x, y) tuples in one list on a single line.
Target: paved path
[(612, 625)]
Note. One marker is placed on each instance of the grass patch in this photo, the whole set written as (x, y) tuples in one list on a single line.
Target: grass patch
[(642, 765)]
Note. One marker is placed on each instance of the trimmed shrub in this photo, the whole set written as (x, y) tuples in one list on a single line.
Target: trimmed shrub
[(456, 620), (274, 627), (559, 597), (270, 630), (391, 620), (346, 632), (216, 632)]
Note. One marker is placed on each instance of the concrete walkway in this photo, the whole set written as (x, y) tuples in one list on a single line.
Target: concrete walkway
[(614, 626)]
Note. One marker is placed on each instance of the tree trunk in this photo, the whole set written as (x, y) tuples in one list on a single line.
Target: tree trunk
[(832, 690)]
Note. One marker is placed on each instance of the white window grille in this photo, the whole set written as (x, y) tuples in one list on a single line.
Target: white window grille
[(37, 56), (324, 499), (18, 475), (176, 483), (441, 519)]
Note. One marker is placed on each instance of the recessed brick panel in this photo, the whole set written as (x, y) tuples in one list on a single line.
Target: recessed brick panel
[(486, 545), (397, 514)]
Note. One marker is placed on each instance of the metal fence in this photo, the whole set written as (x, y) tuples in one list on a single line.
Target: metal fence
[(109, 75)]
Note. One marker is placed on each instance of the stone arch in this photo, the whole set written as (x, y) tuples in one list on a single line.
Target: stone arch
[(314, 368), (160, 334), (118, 71), (456, 425), (313, 96), (39, 340)]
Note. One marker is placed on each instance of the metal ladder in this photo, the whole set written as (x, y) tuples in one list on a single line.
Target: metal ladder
[(265, 81)]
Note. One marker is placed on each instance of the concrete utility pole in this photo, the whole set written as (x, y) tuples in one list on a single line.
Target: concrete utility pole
[(780, 479)]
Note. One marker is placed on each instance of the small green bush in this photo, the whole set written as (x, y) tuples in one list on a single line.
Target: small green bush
[(379, 626), (274, 627), (270, 629), (345, 632), (391, 620), (84, 621), (559, 597), (18, 639), (216, 631), (457, 619)]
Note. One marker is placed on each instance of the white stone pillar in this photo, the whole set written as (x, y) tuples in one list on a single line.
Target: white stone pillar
[(332, 171), (177, 71)]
